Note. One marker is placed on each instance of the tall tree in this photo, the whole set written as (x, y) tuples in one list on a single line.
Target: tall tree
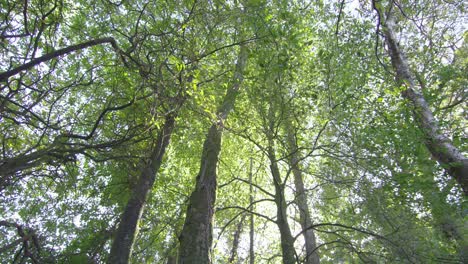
[(127, 231), (312, 256), (196, 236), (287, 240), (338, 150), (438, 144)]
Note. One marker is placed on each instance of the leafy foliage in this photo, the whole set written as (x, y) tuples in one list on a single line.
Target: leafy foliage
[(77, 129)]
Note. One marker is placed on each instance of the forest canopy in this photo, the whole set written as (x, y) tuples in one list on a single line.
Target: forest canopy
[(246, 131)]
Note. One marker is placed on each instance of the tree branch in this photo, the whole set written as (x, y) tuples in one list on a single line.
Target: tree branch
[(5, 75)]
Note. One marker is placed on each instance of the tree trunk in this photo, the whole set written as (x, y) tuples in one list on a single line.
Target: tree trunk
[(312, 256), (127, 231), (252, 230), (287, 240), (438, 144), (236, 238), (196, 236)]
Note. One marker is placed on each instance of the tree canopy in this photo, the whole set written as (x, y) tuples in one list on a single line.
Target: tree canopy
[(253, 131)]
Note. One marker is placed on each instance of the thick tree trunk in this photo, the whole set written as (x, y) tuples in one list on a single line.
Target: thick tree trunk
[(312, 256), (196, 236), (440, 146), (127, 231)]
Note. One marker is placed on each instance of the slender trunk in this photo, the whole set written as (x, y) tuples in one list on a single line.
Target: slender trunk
[(5, 75), (312, 256), (127, 231), (440, 146), (287, 240), (236, 238), (196, 236), (252, 231)]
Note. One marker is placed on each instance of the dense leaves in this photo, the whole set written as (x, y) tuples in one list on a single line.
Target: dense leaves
[(86, 88)]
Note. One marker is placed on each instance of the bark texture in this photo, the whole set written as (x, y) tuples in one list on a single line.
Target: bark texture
[(312, 256), (196, 237), (126, 233), (440, 146)]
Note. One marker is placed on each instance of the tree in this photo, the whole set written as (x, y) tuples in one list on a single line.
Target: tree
[(440, 146), (196, 236), (331, 131), (126, 232)]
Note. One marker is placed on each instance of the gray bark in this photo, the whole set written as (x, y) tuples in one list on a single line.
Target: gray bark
[(196, 237), (126, 233), (438, 144), (312, 256)]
